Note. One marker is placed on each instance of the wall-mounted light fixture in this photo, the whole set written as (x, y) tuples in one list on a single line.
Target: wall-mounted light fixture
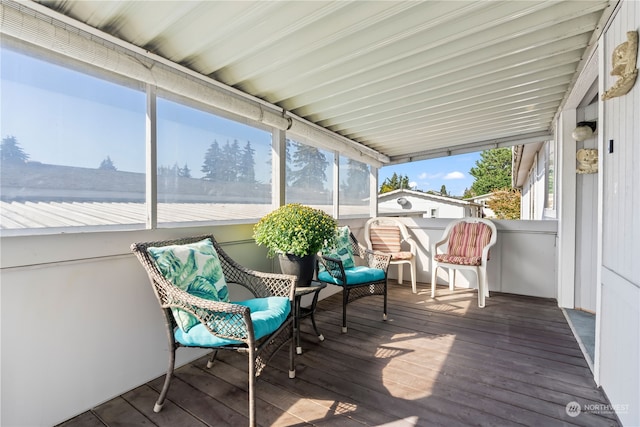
[(584, 131)]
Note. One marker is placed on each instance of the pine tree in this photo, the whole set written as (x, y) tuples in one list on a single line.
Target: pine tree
[(309, 165), (356, 185), (211, 164), (492, 171), (11, 152), (395, 182), (184, 172), (107, 164), (246, 167)]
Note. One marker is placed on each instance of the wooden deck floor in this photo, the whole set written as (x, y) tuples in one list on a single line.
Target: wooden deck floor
[(434, 362)]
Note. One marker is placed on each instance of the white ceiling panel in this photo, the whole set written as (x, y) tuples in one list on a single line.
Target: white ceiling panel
[(405, 78)]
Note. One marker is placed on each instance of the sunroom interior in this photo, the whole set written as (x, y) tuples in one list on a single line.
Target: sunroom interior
[(160, 89)]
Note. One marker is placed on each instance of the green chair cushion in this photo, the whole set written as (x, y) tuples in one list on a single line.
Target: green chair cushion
[(342, 249), (195, 268)]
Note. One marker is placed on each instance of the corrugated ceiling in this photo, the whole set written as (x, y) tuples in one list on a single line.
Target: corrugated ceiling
[(408, 79)]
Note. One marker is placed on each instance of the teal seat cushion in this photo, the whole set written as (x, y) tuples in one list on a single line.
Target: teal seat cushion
[(355, 276), (267, 314), (195, 268)]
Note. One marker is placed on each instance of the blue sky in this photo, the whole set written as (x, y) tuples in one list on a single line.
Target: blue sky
[(93, 119), (432, 174)]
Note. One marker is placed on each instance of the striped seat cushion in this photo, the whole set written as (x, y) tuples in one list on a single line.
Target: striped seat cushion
[(466, 242), (385, 238), (401, 256)]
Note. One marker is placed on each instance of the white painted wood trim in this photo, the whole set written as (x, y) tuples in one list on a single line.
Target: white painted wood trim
[(566, 209)]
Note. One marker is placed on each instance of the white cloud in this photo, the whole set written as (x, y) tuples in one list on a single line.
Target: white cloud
[(425, 175), (454, 175), (413, 184)]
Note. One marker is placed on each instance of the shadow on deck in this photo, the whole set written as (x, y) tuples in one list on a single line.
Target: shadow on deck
[(434, 362)]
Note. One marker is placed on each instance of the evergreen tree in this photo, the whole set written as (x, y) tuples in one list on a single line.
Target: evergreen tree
[(443, 190), (11, 152), (492, 171), (107, 164), (246, 167), (395, 182), (212, 161), (310, 165), (230, 161), (356, 185), (184, 172)]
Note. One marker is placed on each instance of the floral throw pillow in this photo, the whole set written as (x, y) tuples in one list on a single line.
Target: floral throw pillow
[(194, 268), (342, 249)]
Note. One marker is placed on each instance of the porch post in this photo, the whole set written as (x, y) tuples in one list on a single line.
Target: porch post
[(566, 208), (278, 168), (373, 192)]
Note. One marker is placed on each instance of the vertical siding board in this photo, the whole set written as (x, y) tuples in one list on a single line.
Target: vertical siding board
[(619, 310)]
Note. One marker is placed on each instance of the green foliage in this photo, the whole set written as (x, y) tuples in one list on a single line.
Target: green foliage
[(356, 186), (310, 165), (229, 163), (11, 152), (505, 203), (295, 229), (492, 171), (107, 164), (443, 190), (395, 182)]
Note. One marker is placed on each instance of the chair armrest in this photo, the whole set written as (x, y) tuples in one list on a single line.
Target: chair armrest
[(259, 283), (413, 247), (222, 319), (377, 259), (333, 266)]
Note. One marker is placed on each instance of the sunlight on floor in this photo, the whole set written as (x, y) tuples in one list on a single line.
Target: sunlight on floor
[(404, 349)]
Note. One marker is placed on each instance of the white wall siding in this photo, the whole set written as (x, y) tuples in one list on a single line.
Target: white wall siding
[(522, 261), (619, 350)]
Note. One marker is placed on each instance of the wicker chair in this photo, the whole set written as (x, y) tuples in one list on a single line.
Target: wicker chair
[(469, 241), (357, 281), (224, 321)]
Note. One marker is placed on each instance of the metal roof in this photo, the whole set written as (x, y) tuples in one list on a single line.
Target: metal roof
[(409, 79)]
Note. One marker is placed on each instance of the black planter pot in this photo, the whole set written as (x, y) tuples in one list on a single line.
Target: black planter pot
[(302, 267)]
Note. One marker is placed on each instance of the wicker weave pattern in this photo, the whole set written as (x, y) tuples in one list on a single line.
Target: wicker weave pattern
[(352, 292), (224, 320)]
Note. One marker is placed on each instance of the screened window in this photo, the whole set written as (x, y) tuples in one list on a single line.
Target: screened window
[(210, 167), (309, 177), (72, 148), (354, 188)]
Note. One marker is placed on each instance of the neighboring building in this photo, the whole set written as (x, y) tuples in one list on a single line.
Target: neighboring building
[(417, 203), (482, 200)]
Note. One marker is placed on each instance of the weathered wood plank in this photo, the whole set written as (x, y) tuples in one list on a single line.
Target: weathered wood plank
[(434, 362)]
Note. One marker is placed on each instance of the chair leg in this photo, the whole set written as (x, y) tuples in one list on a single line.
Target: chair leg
[(252, 385), (452, 278), (413, 277), (167, 381), (481, 290), (400, 271), (292, 357), (345, 298), (384, 314), (212, 358), (434, 275)]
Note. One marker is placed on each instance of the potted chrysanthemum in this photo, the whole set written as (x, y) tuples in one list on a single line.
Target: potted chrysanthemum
[(295, 233)]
